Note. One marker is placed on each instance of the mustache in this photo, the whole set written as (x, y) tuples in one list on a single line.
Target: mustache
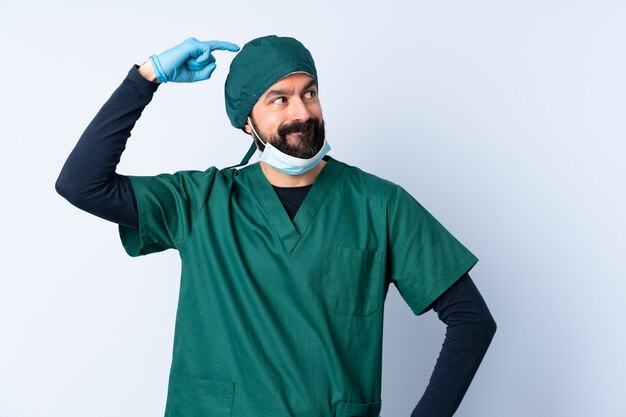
[(298, 127)]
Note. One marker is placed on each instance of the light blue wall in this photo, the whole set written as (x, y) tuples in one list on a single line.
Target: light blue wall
[(504, 119)]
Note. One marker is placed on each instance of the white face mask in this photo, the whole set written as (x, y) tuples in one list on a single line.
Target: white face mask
[(288, 164)]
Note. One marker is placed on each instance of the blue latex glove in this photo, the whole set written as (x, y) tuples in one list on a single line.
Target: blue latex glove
[(189, 61)]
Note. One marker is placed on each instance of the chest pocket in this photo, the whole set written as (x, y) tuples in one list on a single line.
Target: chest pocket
[(355, 281)]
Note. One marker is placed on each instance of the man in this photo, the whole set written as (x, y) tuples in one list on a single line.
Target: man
[(286, 262)]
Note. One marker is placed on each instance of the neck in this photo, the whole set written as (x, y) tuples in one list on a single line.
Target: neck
[(279, 179)]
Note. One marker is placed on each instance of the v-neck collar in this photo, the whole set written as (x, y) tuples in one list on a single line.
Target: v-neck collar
[(288, 230)]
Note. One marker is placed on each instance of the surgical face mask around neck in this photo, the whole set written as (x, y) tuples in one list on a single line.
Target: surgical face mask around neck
[(288, 164)]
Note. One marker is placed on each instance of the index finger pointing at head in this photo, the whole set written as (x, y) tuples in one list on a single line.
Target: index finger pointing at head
[(223, 46)]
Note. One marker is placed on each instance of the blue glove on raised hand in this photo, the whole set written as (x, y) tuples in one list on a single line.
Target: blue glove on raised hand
[(190, 61)]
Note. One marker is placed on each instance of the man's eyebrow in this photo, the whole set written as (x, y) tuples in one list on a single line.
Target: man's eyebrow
[(277, 92), (312, 83)]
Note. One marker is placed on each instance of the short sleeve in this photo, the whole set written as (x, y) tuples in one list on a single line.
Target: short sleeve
[(168, 205), (424, 259)]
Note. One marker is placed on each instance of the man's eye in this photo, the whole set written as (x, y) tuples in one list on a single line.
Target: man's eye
[(279, 100), (311, 94)]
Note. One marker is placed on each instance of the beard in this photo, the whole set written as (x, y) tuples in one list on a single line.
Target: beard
[(298, 139)]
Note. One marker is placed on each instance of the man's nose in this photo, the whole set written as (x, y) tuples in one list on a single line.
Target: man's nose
[(298, 111)]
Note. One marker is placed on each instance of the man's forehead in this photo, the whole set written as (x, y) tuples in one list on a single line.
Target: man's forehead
[(300, 78)]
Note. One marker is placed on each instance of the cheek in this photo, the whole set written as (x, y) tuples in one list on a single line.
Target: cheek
[(316, 110), (270, 128), (266, 122)]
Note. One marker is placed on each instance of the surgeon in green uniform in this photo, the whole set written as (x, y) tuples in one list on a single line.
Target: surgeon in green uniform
[(280, 312)]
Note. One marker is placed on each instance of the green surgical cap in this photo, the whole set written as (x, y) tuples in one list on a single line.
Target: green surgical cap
[(260, 63)]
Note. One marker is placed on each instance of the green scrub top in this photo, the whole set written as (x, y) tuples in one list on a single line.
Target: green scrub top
[(278, 318)]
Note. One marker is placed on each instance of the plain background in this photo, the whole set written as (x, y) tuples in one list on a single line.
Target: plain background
[(505, 119)]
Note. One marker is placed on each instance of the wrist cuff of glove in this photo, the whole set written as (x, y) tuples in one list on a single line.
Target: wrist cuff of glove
[(158, 69)]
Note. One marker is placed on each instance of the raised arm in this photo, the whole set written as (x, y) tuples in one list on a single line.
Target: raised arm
[(88, 179)]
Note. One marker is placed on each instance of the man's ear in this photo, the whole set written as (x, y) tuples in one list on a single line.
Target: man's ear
[(247, 127)]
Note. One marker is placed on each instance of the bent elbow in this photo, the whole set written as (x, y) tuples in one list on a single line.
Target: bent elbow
[(484, 326), (62, 187), (488, 327), (65, 189), (69, 189), (492, 327)]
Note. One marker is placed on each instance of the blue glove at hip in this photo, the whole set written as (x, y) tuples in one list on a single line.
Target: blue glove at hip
[(189, 61)]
